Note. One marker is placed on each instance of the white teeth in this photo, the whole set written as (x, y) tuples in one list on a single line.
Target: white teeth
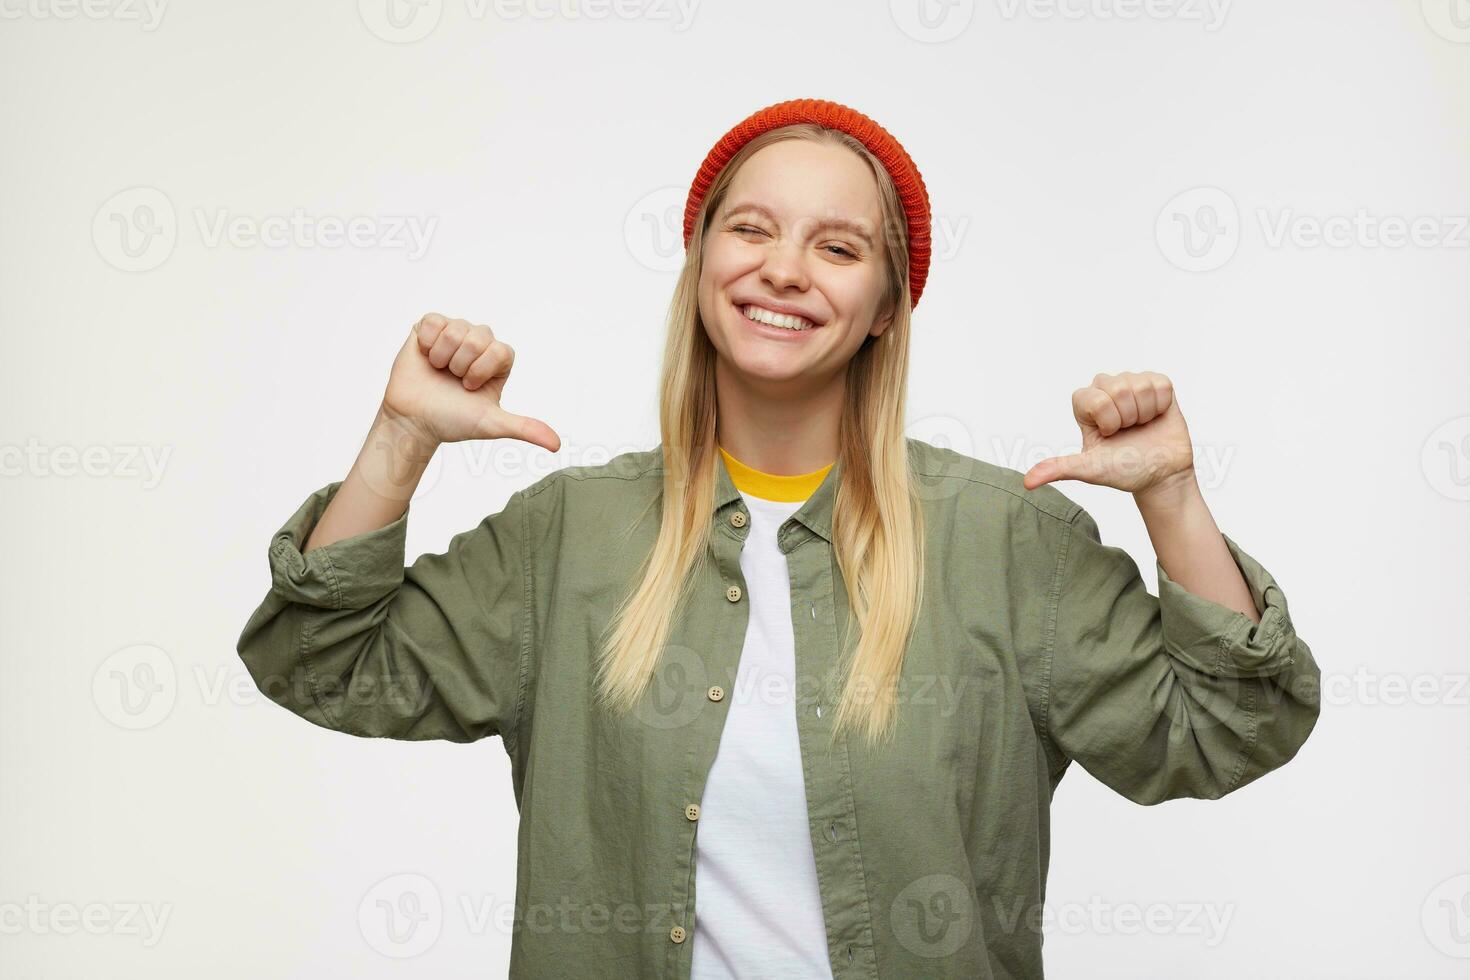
[(782, 320)]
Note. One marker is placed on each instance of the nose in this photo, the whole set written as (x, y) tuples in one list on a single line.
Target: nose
[(785, 266)]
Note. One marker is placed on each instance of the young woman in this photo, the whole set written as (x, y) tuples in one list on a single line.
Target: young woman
[(789, 694)]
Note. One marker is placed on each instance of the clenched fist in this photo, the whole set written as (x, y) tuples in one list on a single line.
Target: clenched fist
[(446, 385), (1133, 438)]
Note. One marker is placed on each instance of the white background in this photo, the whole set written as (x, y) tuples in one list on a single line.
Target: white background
[(210, 383)]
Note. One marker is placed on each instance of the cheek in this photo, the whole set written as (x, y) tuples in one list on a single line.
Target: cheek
[(720, 270), (854, 298), (711, 303), (709, 284), (718, 256), (862, 300)]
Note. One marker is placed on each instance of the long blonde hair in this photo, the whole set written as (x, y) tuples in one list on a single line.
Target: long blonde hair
[(877, 524)]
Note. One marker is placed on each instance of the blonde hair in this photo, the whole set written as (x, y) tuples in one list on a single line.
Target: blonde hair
[(877, 523)]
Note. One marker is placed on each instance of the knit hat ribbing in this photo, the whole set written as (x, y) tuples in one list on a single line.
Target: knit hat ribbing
[(911, 191)]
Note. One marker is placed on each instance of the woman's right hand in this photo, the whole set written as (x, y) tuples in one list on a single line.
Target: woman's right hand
[(446, 384)]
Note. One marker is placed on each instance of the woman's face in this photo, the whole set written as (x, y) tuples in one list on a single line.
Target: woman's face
[(798, 233)]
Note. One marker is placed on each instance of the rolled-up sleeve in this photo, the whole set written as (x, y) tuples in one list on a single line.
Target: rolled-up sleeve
[(1171, 696), (352, 640)]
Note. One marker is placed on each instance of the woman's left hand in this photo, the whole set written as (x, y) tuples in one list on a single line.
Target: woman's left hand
[(1133, 437)]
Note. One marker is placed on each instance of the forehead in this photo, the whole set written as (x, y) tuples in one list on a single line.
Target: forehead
[(800, 180)]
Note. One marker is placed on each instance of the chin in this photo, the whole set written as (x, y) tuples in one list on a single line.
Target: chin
[(768, 366)]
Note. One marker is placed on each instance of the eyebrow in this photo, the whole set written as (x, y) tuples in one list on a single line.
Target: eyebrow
[(843, 224)]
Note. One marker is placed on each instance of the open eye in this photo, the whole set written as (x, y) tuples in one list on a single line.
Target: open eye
[(841, 251)]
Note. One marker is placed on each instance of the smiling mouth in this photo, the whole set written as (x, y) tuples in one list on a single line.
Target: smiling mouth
[(783, 321)]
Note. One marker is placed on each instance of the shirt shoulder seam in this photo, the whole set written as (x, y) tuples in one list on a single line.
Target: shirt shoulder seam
[(528, 618), (1049, 636), (583, 473), (1060, 508)]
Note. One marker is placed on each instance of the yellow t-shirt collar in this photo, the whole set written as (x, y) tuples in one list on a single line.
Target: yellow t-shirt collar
[(773, 486)]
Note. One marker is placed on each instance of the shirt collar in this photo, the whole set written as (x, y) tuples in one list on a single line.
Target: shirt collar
[(815, 514), (772, 486)]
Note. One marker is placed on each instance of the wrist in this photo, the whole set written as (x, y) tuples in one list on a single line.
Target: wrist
[(394, 457), (1173, 493), (410, 437)]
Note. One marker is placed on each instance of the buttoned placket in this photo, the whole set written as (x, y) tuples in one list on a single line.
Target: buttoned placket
[(721, 659), (818, 605)]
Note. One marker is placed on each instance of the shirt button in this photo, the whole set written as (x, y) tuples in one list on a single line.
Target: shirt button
[(737, 519), (716, 693), (733, 593), (677, 934), (692, 811)]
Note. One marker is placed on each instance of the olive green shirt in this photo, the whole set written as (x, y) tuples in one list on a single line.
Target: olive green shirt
[(1036, 645)]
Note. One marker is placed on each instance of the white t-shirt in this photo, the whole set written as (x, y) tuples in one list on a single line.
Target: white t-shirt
[(757, 907)]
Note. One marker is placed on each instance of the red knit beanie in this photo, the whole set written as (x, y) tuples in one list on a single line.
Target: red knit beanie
[(911, 190)]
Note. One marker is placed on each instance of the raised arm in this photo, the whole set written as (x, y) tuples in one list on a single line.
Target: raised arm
[(1194, 693), (352, 640), (1176, 695)]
